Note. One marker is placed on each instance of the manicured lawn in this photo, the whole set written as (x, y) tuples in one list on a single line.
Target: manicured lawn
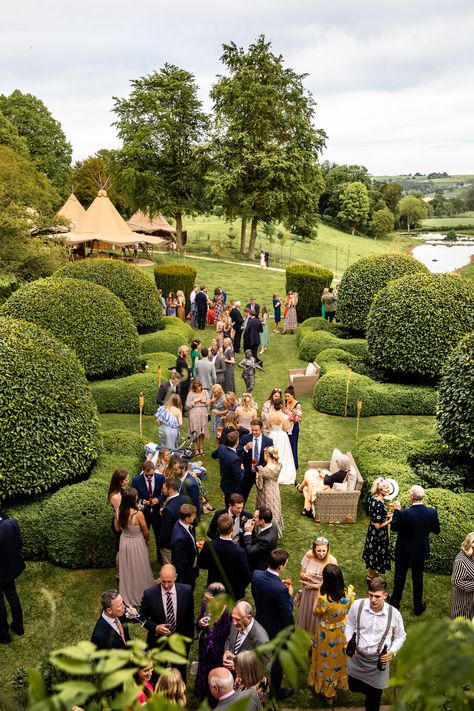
[(461, 220), (61, 606)]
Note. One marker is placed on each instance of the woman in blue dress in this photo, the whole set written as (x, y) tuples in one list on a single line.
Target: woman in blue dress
[(264, 338), (169, 418), (277, 309)]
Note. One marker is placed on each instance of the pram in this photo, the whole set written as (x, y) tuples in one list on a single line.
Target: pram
[(184, 449)]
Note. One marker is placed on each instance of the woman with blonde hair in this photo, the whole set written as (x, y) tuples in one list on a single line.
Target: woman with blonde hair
[(312, 565), (250, 674), (462, 580), (172, 687), (231, 402), (377, 546), (232, 424), (197, 404), (268, 491), (170, 418), (246, 411), (218, 410), (264, 337), (181, 307), (164, 456)]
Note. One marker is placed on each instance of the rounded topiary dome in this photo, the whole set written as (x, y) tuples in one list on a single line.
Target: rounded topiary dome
[(89, 319), (455, 412), (49, 431), (363, 279), (128, 282), (415, 323)]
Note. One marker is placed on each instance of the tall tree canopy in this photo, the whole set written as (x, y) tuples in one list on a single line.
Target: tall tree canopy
[(92, 174), (265, 149), (336, 178), (44, 137), (163, 129), (412, 211), (355, 204), (10, 137)]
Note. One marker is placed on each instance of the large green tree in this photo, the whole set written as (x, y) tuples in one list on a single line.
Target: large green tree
[(336, 178), (355, 205), (412, 211), (265, 148), (46, 141), (163, 129), (10, 137), (383, 222), (96, 173)]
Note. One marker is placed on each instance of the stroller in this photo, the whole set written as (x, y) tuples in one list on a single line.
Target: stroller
[(184, 450)]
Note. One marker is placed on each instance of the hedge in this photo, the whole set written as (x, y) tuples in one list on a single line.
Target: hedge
[(172, 277), (151, 361), (455, 411), (313, 343), (415, 323), (8, 284), (30, 517), (121, 395), (317, 323), (92, 321), (48, 419), (309, 281), (363, 279), (172, 323), (122, 443), (456, 519), (136, 291)]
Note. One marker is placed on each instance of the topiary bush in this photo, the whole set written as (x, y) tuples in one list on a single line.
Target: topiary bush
[(30, 517), (123, 443), (121, 394), (455, 411), (314, 342), (363, 279), (151, 361), (92, 321), (172, 277), (136, 291), (48, 419), (171, 323), (317, 323), (456, 519), (415, 323), (309, 281)]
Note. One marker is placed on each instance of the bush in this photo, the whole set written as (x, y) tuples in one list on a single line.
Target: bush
[(30, 517), (8, 284), (48, 419), (363, 279), (93, 322), (383, 455), (128, 282), (313, 343), (167, 341), (171, 323), (456, 518), (316, 323), (309, 281), (455, 411), (162, 359), (172, 277), (123, 443), (121, 394), (415, 323), (106, 464)]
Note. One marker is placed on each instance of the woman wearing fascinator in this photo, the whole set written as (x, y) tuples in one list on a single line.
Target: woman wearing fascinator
[(376, 550)]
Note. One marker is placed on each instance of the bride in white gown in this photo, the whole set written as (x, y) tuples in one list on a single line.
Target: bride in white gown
[(279, 425)]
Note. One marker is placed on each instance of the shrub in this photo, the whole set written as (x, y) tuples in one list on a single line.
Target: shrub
[(309, 281), (313, 343), (171, 323), (106, 464), (8, 284), (456, 518), (383, 455), (363, 279), (30, 517), (121, 394), (93, 322), (48, 419), (315, 323), (168, 341), (455, 411), (415, 323), (162, 359), (123, 443), (171, 277), (136, 291)]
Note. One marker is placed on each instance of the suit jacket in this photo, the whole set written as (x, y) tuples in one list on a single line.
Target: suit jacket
[(257, 309), (414, 526), (152, 515), (247, 455), (226, 563), (201, 301), (237, 319), (205, 372), (212, 532), (255, 637), (190, 488), (253, 703), (164, 392), (219, 365), (273, 603), (259, 546), (184, 554), (253, 331), (11, 542), (152, 610), (105, 637), (230, 469), (169, 516)]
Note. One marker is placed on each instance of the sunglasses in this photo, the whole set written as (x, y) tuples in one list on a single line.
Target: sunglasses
[(321, 539)]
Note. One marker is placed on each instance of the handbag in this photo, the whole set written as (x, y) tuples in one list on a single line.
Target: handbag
[(297, 598)]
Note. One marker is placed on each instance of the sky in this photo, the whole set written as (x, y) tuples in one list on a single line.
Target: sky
[(393, 81)]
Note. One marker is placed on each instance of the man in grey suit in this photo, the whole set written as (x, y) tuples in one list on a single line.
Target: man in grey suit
[(221, 685), (219, 364), (245, 634), (204, 371)]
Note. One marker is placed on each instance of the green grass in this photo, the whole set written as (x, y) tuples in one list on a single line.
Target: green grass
[(460, 221), (468, 272)]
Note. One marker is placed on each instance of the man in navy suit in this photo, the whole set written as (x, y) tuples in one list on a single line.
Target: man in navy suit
[(274, 608), (168, 607), (239, 517), (111, 629), (11, 565), (149, 486), (169, 515), (260, 538), (413, 526), (252, 450), (230, 466), (225, 562), (253, 330), (183, 546), (188, 485), (253, 307)]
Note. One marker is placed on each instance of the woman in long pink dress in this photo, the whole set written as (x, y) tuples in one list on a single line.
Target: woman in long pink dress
[(134, 564), (311, 576)]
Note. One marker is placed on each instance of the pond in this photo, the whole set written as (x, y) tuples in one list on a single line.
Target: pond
[(441, 257)]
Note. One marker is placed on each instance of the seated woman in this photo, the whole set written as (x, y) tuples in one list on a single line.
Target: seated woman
[(312, 483), (344, 464)]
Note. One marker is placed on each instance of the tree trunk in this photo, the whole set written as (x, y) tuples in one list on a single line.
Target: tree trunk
[(408, 222), (179, 231), (353, 230), (253, 237), (243, 234)]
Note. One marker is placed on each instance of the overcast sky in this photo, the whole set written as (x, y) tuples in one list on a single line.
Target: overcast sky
[(393, 80)]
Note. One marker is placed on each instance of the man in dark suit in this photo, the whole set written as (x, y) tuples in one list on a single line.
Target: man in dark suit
[(260, 539), (230, 466), (413, 526), (253, 307), (252, 450), (225, 562), (149, 486), (274, 608), (11, 566), (169, 515), (245, 634), (239, 517), (253, 330), (169, 388), (167, 608), (237, 322), (111, 629), (188, 485), (201, 308), (183, 546)]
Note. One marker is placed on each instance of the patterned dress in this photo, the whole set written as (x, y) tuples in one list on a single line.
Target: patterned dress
[(328, 672), (376, 550), (268, 493), (462, 587), (219, 307)]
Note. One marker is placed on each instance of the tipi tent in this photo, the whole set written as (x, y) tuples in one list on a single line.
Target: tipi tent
[(158, 225), (72, 210)]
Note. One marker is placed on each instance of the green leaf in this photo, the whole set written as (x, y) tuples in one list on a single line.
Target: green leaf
[(117, 678), (289, 667)]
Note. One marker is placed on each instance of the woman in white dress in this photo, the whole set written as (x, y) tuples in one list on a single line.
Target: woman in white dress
[(263, 263), (279, 424)]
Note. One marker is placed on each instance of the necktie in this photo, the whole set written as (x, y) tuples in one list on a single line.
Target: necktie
[(150, 488), (256, 452), (238, 641), (170, 618), (120, 628)]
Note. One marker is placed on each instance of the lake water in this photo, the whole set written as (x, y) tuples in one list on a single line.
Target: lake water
[(440, 257)]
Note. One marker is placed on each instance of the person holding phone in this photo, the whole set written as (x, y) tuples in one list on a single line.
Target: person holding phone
[(212, 638)]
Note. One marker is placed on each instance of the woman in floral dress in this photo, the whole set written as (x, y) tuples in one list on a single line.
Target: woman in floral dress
[(377, 549)]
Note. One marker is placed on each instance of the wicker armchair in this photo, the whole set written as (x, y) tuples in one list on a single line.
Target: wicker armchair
[(336, 506), (302, 383)]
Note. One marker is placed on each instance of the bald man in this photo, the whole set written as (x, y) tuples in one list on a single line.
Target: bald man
[(245, 634), (221, 684)]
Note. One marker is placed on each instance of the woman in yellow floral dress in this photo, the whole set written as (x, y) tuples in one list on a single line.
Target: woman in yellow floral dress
[(328, 672)]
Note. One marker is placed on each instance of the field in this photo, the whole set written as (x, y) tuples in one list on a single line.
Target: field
[(449, 222)]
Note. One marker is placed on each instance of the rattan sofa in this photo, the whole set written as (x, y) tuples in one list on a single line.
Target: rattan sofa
[(336, 506), (302, 383)]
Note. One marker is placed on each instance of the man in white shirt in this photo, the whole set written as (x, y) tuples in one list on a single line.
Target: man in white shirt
[(192, 299), (110, 631), (245, 634), (379, 634)]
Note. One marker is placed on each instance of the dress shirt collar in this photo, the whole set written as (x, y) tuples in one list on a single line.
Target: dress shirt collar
[(264, 528), (273, 572), (226, 696), (111, 622), (246, 630)]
